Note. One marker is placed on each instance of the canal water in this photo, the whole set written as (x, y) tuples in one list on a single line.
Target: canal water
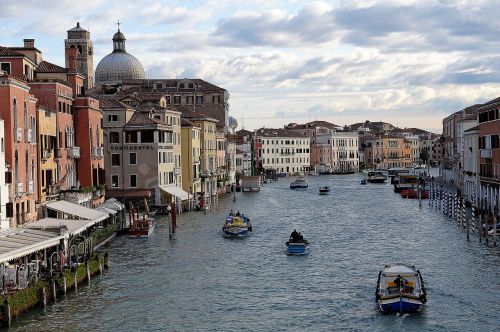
[(200, 281)]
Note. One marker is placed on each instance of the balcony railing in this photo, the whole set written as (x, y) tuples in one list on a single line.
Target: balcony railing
[(46, 154), (30, 187), (486, 153), (97, 152), (74, 152), (19, 134), (28, 136)]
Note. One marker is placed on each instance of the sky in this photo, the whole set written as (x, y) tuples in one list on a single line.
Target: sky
[(407, 62)]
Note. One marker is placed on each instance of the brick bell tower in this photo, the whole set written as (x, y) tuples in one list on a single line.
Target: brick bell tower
[(79, 38)]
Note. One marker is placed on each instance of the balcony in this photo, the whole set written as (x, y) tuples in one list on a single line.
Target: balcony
[(46, 154), (28, 135), (30, 187), (97, 152), (74, 152), (19, 134), (486, 153)]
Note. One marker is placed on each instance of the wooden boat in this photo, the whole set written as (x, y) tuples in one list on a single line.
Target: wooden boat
[(400, 288), (237, 227), (324, 190), (142, 227)]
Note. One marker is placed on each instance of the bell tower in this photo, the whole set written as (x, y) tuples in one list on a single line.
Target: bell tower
[(79, 38)]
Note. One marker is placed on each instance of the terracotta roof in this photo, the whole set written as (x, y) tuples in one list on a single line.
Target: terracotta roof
[(269, 132), (312, 125), (188, 114), (47, 67), (139, 119), (244, 132), (6, 51), (107, 103)]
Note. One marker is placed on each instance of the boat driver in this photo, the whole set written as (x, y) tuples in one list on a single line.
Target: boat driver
[(400, 281), (294, 237)]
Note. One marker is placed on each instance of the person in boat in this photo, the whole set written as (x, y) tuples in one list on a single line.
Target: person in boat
[(301, 238), (238, 214), (400, 281), (231, 213), (294, 237)]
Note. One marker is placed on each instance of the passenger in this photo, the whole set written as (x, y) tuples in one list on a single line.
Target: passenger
[(294, 237), (231, 213), (238, 213), (301, 238), (400, 281)]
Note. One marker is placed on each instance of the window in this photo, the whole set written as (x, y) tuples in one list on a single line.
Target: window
[(132, 158), (5, 66), (131, 137), (167, 98), (177, 100), (133, 181), (199, 99), (147, 136), (114, 181), (114, 137), (181, 86), (216, 99), (189, 100), (115, 159), (112, 117)]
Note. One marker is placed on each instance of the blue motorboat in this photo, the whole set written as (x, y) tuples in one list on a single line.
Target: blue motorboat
[(400, 288), (299, 183), (297, 248), (363, 181), (238, 226)]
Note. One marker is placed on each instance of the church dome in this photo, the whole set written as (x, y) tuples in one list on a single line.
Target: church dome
[(119, 65)]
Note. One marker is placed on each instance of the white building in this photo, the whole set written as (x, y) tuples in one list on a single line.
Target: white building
[(282, 150), (471, 163), (343, 149), (4, 189)]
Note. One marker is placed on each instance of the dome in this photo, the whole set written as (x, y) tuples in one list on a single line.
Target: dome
[(119, 65)]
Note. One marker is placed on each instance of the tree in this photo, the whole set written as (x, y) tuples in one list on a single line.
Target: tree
[(424, 156)]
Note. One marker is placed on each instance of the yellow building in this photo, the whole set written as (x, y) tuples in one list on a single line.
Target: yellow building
[(191, 165), (47, 166), (208, 154)]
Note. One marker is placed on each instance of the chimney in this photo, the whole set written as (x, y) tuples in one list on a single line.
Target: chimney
[(71, 55), (29, 43)]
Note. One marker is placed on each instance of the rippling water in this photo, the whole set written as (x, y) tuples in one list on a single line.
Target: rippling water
[(200, 281)]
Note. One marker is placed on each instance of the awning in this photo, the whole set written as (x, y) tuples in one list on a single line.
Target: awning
[(106, 210), (78, 211), (19, 242), (70, 226), (177, 192), (113, 204)]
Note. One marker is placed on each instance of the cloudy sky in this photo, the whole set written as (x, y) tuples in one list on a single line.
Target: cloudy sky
[(408, 62)]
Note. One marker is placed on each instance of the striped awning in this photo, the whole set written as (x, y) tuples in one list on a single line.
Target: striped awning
[(19, 242)]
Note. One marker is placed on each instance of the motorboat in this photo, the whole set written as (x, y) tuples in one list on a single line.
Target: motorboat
[(299, 183), (267, 181), (404, 181), (376, 177), (297, 248), (238, 226), (412, 193), (363, 181), (324, 190), (400, 288)]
